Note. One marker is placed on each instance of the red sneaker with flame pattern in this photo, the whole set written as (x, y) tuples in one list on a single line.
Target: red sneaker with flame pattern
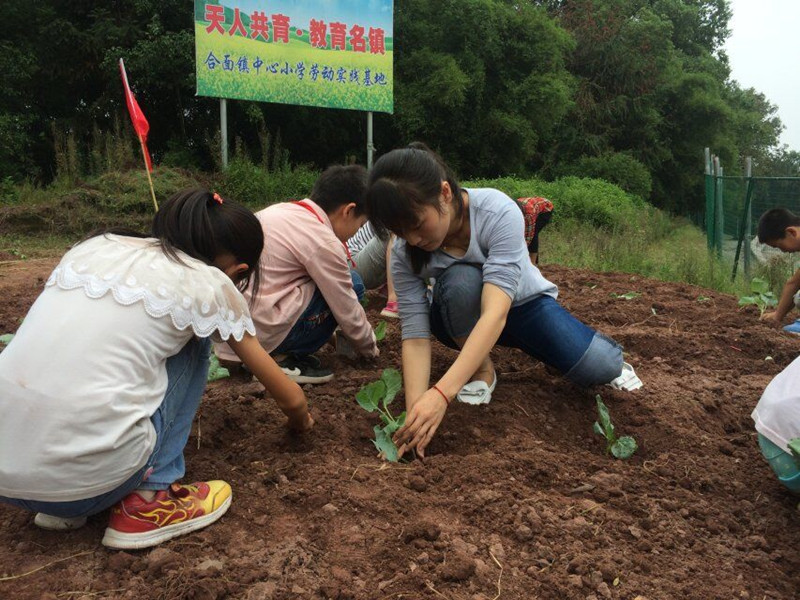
[(137, 523)]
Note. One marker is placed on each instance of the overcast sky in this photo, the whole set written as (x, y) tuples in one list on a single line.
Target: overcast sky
[(764, 51)]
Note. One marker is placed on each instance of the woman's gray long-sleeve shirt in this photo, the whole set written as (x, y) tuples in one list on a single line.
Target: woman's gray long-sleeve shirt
[(497, 245)]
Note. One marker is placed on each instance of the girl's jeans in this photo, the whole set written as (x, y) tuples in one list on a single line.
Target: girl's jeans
[(541, 327), (187, 373), (316, 325)]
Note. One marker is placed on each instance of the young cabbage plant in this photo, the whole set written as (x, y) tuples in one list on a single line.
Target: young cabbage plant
[(5, 340), (760, 295), (622, 447), (215, 371), (380, 331), (378, 395)]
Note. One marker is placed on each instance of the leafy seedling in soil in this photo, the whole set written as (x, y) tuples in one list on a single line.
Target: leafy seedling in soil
[(627, 296), (380, 331), (760, 295), (378, 395), (5, 339), (622, 447), (215, 371), (702, 298)]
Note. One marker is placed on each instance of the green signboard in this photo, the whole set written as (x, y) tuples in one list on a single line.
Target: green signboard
[(332, 53)]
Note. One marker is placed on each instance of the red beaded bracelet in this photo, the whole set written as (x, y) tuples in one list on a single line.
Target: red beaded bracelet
[(446, 399)]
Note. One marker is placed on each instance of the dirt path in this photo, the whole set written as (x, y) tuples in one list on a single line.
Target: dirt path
[(516, 499)]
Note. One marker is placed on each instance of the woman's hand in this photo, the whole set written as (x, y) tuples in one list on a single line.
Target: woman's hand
[(422, 421)]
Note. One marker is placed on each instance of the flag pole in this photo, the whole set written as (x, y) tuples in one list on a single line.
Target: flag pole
[(146, 170), (129, 98)]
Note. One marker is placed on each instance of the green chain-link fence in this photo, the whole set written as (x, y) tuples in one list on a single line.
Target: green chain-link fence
[(733, 206)]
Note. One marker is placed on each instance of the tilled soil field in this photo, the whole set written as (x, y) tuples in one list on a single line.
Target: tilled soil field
[(517, 499)]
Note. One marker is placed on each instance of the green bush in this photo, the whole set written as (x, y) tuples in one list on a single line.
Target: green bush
[(252, 185), (617, 168), (591, 201)]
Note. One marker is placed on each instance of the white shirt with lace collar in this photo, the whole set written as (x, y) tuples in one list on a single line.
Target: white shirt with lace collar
[(87, 368)]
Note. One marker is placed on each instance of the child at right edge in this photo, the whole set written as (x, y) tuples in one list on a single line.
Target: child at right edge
[(780, 228)]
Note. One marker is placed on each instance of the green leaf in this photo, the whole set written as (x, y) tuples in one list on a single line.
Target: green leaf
[(6, 338), (383, 442), (370, 395), (364, 301), (631, 295), (393, 382), (624, 447), (380, 331), (392, 427), (794, 446), (745, 300), (401, 419), (598, 430), (605, 420), (215, 371), (759, 285)]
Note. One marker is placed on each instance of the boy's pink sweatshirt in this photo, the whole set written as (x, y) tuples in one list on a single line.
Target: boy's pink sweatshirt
[(301, 253)]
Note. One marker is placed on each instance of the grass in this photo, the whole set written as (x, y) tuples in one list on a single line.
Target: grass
[(42, 222), (654, 245)]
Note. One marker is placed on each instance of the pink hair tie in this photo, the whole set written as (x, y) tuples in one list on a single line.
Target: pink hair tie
[(217, 198)]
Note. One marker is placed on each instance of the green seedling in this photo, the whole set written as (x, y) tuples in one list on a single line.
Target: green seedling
[(5, 339), (215, 371), (364, 301), (760, 295), (378, 395), (380, 331), (622, 447), (702, 298), (627, 296)]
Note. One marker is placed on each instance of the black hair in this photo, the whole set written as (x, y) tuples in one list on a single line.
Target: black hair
[(401, 184), (339, 185), (196, 223), (773, 223)]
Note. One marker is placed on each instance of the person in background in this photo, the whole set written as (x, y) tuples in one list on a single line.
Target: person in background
[(309, 285), (487, 291), (102, 380), (373, 258), (537, 213), (780, 228)]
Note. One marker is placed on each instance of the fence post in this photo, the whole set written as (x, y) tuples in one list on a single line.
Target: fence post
[(748, 215), (747, 202), (719, 213), (709, 182)]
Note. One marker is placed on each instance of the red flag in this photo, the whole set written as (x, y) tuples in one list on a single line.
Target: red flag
[(140, 124)]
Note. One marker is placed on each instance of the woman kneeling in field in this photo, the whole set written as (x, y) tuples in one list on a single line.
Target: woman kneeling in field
[(486, 292), (102, 381)]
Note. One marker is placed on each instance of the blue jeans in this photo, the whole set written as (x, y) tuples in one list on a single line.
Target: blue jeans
[(316, 325), (541, 328), (187, 373)]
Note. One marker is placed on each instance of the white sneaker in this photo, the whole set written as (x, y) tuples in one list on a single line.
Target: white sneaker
[(58, 523)]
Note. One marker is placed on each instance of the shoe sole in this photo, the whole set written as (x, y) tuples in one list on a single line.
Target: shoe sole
[(297, 376), (389, 314), (51, 523), (134, 541)]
